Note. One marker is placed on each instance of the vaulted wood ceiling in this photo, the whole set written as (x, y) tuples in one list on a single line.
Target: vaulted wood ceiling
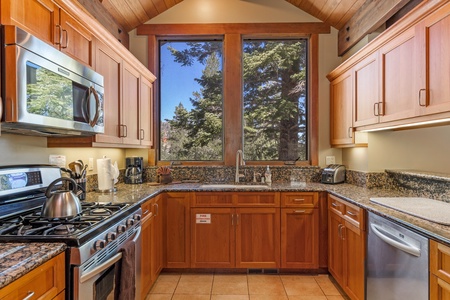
[(353, 18)]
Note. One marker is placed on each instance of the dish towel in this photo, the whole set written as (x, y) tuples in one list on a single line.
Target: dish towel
[(125, 285)]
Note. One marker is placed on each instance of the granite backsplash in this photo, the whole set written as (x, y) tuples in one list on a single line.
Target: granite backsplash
[(418, 183)]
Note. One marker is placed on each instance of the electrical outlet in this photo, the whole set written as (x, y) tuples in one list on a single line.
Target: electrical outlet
[(330, 160), (91, 164)]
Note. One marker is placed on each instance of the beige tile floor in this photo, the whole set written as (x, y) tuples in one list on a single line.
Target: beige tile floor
[(243, 287)]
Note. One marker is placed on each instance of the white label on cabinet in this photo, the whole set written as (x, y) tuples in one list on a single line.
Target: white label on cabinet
[(203, 218)]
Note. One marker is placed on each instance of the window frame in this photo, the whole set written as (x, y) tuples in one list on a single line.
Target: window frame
[(233, 35)]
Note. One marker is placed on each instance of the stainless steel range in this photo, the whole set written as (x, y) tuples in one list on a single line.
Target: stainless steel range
[(95, 238)]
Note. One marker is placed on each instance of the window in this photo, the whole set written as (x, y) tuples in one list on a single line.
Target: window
[(266, 105), (274, 96), (191, 101)]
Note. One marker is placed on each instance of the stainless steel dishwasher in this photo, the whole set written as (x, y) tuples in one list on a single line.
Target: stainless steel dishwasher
[(397, 262)]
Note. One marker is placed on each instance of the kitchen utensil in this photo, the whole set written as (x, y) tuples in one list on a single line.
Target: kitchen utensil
[(61, 204), (83, 172), (68, 171)]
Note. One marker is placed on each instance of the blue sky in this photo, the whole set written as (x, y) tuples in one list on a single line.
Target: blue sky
[(177, 82)]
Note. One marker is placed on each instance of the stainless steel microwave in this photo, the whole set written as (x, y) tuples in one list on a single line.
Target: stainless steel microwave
[(45, 92)]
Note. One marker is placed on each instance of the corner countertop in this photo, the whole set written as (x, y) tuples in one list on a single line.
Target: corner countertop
[(138, 193), (17, 259)]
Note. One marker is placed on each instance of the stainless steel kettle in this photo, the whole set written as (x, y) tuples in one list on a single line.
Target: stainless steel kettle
[(61, 204)]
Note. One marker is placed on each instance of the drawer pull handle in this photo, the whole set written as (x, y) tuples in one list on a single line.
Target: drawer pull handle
[(299, 199), (351, 213), (145, 212), (29, 295), (334, 205), (299, 211)]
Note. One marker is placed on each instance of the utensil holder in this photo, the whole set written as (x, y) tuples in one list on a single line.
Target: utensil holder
[(165, 178)]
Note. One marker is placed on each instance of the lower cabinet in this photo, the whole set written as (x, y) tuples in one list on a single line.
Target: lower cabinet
[(45, 282), (300, 230), (152, 241), (346, 242), (176, 230), (439, 271), (233, 236)]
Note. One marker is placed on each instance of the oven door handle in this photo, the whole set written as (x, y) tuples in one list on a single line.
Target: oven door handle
[(401, 246), (108, 263)]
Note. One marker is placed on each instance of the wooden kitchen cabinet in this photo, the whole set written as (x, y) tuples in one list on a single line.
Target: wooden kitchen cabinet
[(439, 271), (366, 105), (257, 237), (341, 104), (129, 110), (152, 243), (146, 112), (213, 237), (147, 223), (46, 282), (177, 230), (300, 230), (49, 22), (346, 242), (434, 62), (235, 230)]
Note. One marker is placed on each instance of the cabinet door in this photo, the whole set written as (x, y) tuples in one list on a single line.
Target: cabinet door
[(109, 64), (300, 238), (146, 112), (341, 99), (399, 77), (257, 237), (435, 61), (366, 105), (439, 289), (75, 40), (354, 255), (38, 17), (146, 250), (335, 246), (130, 105), (177, 230), (157, 237), (212, 238)]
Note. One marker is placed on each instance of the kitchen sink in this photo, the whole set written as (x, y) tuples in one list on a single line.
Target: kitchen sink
[(233, 186)]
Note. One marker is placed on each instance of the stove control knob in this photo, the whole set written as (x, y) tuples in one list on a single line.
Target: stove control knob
[(111, 236), (121, 229), (100, 244), (137, 217), (130, 222)]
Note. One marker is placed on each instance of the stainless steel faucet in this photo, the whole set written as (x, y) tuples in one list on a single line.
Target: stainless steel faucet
[(239, 162)]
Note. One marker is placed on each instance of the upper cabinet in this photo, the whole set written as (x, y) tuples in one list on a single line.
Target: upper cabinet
[(46, 20), (400, 78), (434, 48)]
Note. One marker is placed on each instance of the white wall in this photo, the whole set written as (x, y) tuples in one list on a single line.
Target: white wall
[(256, 11), (18, 149)]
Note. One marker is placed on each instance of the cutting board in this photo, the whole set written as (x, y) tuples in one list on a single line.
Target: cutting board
[(424, 208)]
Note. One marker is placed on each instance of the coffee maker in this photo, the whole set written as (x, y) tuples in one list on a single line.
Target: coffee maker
[(134, 169)]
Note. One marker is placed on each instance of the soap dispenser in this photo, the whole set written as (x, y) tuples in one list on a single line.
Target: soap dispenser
[(268, 175)]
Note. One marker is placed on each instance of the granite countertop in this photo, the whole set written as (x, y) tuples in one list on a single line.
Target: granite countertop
[(17, 259), (138, 193)]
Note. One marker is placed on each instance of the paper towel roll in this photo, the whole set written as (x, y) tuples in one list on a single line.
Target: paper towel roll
[(105, 174)]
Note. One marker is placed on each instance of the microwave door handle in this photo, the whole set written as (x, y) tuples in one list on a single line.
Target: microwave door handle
[(93, 122), (401, 246)]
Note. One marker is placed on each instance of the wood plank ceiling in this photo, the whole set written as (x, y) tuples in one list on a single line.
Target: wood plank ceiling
[(353, 18)]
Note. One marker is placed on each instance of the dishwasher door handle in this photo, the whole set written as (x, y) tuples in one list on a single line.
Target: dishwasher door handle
[(404, 247)]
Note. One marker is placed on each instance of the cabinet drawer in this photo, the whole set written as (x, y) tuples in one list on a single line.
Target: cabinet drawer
[(354, 215), (336, 205), (46, 282), (440, 260), (299, 199), (257, 199), (221, 199)]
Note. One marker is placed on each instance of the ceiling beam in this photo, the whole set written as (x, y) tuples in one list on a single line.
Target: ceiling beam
[(371, 15)]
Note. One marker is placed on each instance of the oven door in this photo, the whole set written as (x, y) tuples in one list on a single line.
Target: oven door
[(98, 282)]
